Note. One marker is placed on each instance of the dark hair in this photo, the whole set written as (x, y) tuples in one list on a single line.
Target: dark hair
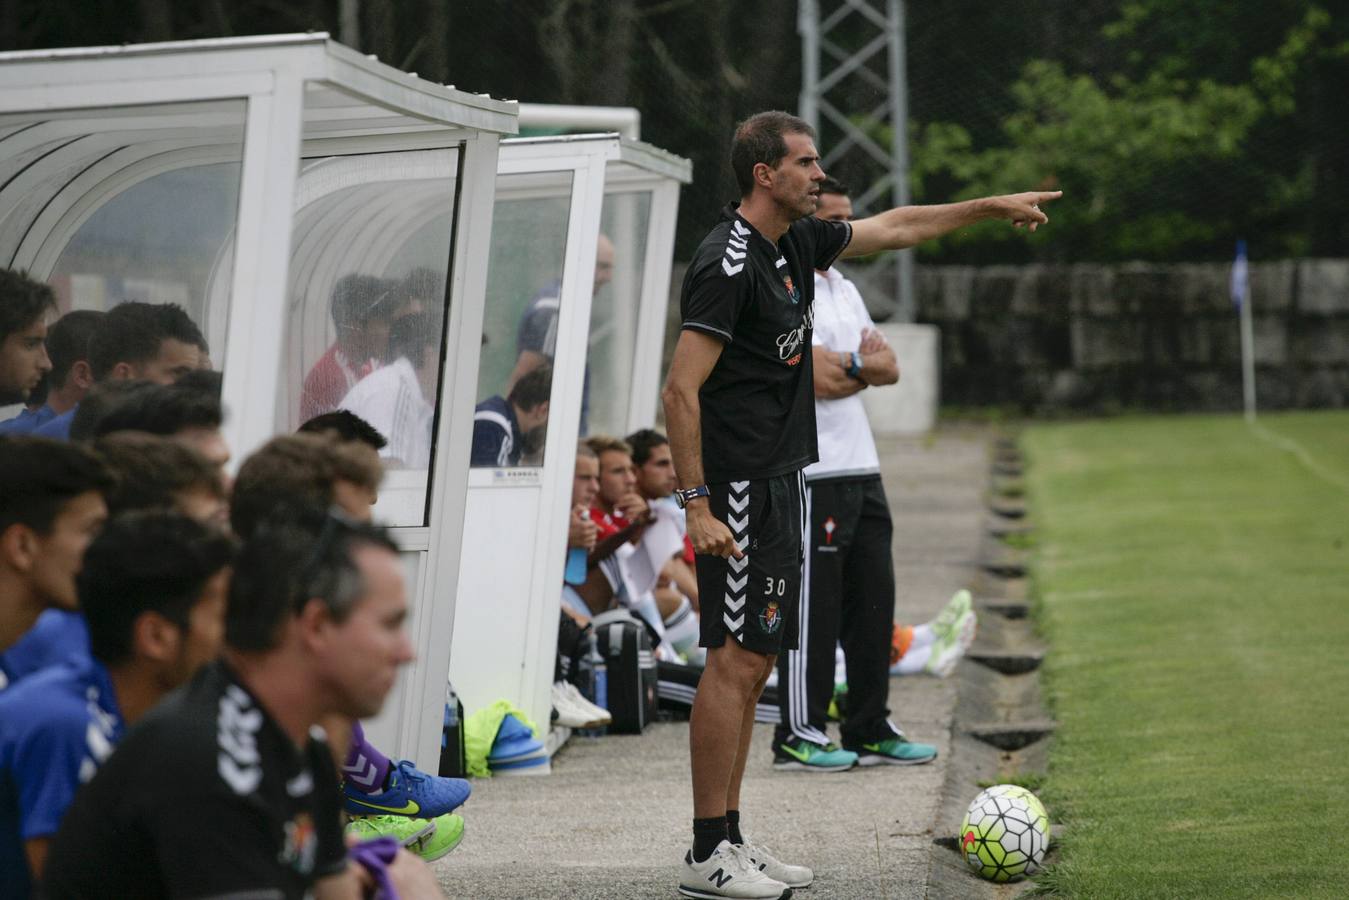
[(152, 471), (102, 400), (413, 336), (356, 298), (38, 477), (420, 283), (133, 332), (832, 185), (68, 342), (759, 139), (150, 561), (208, 381), (22, 301), (533, 388), (643, 442), (347, 426), (296, 556), (162, 409), (296, 471)]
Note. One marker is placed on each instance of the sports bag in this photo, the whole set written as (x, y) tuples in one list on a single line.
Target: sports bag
[(625, 645)]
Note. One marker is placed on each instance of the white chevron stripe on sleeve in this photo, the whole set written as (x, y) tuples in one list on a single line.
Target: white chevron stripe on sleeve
[(734, 605), (730, 269), (739, 486), (734, 624)]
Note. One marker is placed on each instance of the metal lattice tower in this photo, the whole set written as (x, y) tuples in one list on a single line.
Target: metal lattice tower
[(852, 55)]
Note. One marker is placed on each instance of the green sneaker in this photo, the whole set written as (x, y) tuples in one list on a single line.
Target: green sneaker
[(897, 751), (428, 838), (808, 756), (838, 704), (959, 604)]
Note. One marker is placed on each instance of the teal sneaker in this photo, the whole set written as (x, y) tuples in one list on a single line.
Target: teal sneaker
[(896, 751), (808, 756)]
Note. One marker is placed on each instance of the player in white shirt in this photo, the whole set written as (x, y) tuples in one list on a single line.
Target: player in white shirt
[(848, 594)]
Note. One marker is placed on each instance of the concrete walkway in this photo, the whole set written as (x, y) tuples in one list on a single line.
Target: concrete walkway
[(613, 819)]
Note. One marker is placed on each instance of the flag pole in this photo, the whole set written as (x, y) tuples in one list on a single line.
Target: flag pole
[(1241, 296)]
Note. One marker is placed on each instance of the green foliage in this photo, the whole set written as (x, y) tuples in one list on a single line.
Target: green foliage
[(1162, 156)]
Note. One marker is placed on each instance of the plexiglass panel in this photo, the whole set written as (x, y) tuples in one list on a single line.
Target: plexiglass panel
[(126, 203), (614, 310), (524, 281), (369, 267)]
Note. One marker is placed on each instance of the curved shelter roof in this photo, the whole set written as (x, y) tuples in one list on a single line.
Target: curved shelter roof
[(79, 126)]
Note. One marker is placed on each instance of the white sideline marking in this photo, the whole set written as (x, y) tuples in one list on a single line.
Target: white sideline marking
[(1288, 445)]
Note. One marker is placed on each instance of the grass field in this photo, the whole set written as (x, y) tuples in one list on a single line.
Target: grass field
[(1193, 583)]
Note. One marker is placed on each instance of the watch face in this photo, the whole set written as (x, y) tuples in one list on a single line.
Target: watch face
[(679, 499)]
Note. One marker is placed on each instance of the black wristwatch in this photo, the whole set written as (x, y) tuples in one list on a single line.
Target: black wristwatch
[(683, 497)]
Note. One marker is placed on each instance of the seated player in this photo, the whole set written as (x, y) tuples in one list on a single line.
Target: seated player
[(361, 311), (314, 627), (25, 305), (501, 426), (155, 342), (398, 398), (304, 471), (70, 377), (187, 411), (149, 473), (676, 591), (621, 515), (51, 506), (152, 592)]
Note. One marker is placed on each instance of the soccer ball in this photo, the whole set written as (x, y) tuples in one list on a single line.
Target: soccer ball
[(1005, 833)]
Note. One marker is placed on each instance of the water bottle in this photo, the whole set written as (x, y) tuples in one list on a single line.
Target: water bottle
[(599, 678)]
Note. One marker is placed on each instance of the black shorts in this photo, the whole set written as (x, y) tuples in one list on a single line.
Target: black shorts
[(755, 599)]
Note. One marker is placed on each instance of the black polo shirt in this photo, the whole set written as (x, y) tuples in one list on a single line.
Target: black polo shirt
[(206, 796), (758, 404)]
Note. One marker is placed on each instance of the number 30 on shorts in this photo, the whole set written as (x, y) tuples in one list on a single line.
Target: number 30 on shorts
[(774, 587)]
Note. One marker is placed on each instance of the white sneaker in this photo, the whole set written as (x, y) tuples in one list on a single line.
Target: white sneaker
[(765, 862), (571, 714), (598, 714), (951, 645), (729, 872)]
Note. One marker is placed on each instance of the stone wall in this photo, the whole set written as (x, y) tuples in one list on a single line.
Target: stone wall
[(1098, 338)]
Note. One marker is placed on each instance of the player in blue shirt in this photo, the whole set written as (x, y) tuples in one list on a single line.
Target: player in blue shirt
[(152, 591), (501, 425), (70, 377), (51, 506)]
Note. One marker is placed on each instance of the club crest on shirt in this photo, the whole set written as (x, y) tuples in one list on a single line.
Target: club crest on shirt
[(771, 617), (301, 843), (792, 293)]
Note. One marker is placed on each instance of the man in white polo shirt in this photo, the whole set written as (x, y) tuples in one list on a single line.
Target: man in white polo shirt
[(848, 593)]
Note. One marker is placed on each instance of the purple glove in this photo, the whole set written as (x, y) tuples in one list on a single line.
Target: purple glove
[(376, 855)]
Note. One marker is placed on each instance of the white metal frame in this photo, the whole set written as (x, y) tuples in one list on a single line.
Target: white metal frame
[(487, 664), (381, 109)]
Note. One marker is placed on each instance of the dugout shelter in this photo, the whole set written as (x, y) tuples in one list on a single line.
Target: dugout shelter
[(559, 202), (244, 179)]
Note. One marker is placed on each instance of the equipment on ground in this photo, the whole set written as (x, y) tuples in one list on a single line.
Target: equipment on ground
[(1005, 833)]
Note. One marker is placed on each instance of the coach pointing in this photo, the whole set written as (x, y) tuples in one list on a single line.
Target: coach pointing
[(740, 409)]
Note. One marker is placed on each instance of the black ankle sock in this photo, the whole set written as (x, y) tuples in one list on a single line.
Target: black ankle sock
[(733, 827), (707, 834)]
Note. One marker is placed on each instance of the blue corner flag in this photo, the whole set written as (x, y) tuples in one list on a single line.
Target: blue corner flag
[(1241, 285)]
